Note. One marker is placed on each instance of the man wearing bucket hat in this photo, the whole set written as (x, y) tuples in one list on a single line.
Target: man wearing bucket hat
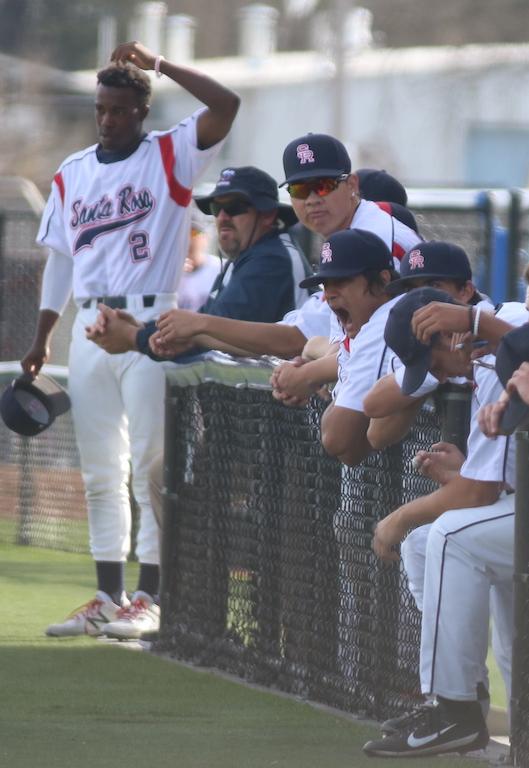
[(250, 221), (468, 555), (259, 280)]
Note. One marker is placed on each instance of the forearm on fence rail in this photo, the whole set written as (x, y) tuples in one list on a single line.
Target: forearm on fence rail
[(386, 398), (392, 429), (227, 334), (344, 434)]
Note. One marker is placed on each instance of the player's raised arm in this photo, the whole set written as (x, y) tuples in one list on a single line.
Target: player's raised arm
[(221, 102)]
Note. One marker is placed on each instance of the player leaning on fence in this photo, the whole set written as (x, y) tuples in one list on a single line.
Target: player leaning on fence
[(117, 224), (437, 264), (355, 269), (459, 555)]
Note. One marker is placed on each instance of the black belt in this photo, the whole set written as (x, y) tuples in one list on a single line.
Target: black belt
[(118, 302)]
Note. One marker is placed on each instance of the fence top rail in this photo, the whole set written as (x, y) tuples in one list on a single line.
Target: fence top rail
[(18, 194), (220, 368), (12, 367)]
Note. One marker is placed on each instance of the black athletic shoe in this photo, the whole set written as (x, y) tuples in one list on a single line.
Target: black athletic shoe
[(435, 732), (396, 724)]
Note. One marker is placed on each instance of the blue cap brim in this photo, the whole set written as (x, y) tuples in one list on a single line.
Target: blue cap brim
[(416, 373)]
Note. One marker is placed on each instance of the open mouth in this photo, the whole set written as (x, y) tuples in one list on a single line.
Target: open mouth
[(343, 316)]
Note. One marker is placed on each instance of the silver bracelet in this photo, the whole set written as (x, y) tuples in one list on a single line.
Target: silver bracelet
[(476, 321), (157, 63)]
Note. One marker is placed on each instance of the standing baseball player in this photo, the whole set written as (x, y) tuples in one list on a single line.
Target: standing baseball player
[(117, 226)]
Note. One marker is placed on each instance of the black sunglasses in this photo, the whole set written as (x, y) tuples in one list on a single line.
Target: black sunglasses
[(232, 208)]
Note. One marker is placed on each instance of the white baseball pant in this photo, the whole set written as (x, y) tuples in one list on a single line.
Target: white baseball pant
[(118, 415), (469, 563)]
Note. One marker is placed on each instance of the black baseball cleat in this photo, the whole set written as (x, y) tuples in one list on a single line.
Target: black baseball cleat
[(403, 722), (435, 729), (396, 724)]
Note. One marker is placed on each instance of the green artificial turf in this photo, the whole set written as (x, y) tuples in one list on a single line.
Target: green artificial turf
[(85, 703)]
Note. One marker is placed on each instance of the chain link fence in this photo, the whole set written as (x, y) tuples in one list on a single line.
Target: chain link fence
[(268, 570)]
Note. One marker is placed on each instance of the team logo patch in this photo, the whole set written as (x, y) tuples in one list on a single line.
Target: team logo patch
[(304, 154), (326, 253), (226, 177), (416, 260)]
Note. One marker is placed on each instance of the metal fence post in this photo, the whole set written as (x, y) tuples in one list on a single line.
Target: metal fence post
[(520, 655), (515, 234), (453, 402)]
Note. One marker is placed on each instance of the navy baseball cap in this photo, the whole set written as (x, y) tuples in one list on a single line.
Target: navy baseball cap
[(432, 260), (257, 186), (380, 186), (348, 253), (512, 351), (400, 212), (29, 406), (315, 156), (399, 336)]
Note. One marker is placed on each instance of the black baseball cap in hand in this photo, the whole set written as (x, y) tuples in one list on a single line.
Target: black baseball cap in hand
[(348, 253), (399, 336), (380, 186), (29, 406), (512, 351), (432, 260), (257, 186), (315, 156)]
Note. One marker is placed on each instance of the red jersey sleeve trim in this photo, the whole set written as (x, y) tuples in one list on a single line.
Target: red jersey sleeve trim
[(58, 179), (181, 195), (397, 251)]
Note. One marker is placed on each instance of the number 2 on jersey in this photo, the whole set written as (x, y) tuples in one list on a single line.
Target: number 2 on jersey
[(139, 246)]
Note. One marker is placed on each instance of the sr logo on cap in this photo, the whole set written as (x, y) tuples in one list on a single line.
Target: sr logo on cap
[(416, 260), (29, 406), (326, 253), (304, 154)]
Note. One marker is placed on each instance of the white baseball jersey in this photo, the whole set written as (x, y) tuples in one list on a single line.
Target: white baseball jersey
[(398, 237), (313, 318), (491, 460), (124, 233), (362, 360)]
